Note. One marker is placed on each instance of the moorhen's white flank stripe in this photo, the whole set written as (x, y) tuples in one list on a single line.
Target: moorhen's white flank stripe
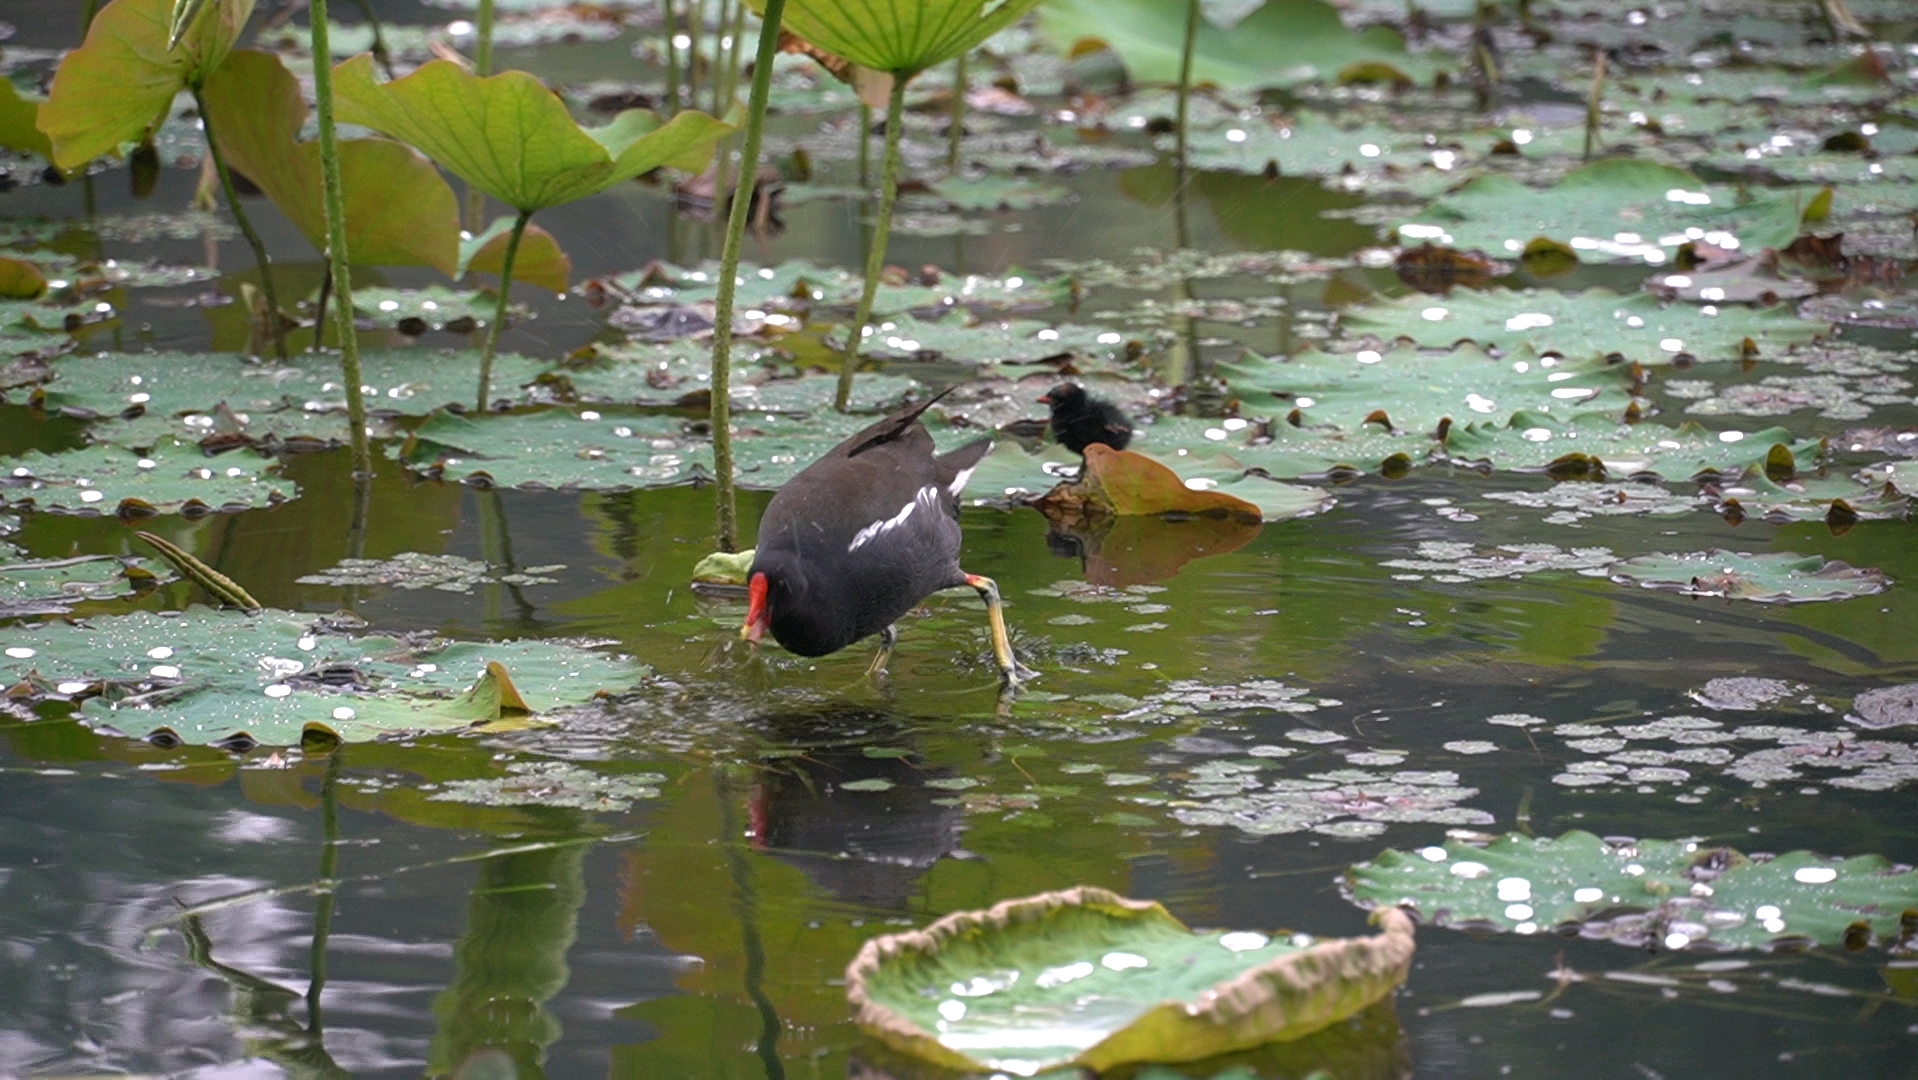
[(927, 495)]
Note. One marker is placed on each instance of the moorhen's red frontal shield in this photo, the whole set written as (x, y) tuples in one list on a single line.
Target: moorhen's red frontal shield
[(861, 536)]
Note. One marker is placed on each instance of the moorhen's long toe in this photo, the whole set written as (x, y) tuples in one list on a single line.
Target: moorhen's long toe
[(1080, 420), (861, 537)]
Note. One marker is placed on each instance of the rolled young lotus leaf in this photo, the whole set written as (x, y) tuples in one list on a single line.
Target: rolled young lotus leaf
[(1090, 979)]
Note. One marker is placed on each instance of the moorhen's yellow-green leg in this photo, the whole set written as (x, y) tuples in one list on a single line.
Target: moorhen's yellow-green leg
[(888, 638), (1009, 670)]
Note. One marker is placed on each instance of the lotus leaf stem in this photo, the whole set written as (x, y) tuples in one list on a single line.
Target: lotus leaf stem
[(956, 123), (865, 146), (260, 257), (672, 59), (339, 265), (882, 230), (1594, 102), (499, 312), (736, 217), (1185, 87)]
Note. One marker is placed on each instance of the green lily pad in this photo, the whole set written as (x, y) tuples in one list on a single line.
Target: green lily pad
[(169, 476), (1416, 389), (435, 307), (210, 676), (1813, 498), (1090, 979), (145, 399), (1282, 43), (1613, 209), (54, 586), (962, 340), (1652, 894), (585, 450), (1303, 145), (1536, 440), (797, 285), (1596, 323), (1453, 562), (1773, 577)]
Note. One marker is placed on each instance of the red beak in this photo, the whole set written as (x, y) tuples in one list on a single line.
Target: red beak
[(758, 616), (1044, 399)]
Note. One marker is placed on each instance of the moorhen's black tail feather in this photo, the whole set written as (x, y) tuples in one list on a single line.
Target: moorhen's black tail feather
[(888, 429)]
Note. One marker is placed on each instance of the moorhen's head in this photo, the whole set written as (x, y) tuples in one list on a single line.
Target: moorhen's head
[(1064, 398), (782, 600)]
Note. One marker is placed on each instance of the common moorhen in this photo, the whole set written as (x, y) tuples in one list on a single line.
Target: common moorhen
[(860, 537), (1079, 419)]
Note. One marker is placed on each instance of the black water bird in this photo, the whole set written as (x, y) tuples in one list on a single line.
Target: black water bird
[(1080, 420), (860, 537)]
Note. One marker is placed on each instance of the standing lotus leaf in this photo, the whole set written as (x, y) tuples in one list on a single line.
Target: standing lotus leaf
[(1090, 979), (903, 37), (1645, 893)]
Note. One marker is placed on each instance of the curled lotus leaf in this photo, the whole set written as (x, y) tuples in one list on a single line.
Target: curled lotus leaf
[(1774, 577), (1657, 894), (1087, 978), (20, 122)]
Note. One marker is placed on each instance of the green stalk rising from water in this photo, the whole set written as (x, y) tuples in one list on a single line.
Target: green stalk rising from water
[(728, 511), (232, 194), (876, 251), (499, 312), (338, 261)]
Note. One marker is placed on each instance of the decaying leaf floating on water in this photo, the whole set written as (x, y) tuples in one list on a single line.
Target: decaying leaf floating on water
[(1126, 483), (1647, 893), (227, 678), (1090, 979)]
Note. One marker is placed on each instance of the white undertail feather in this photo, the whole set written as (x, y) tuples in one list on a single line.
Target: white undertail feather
[(927, 495), (959, 481)]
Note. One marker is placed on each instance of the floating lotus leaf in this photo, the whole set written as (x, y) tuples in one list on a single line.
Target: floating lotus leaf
[(142, 399), (1645, 893), (168, 476), (1885, 707), (1414, 390), (561, 448), (54, 586), (798, 285), (1090, 979), (1303, 145), (209, 676), (1574, 500), (434, 307), (1813, 498), (1596, 323), (1535, 440), (416, 570), (1282, 43), (1618, 208), (1902, 475), (1773, 577), (956, 337)]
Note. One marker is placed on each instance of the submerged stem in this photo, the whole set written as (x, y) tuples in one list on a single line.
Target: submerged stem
[(672, 60), (338, 258), (499, 313), (881, 232), (956, 123), (323, 909), (253, 240), (728, 511)]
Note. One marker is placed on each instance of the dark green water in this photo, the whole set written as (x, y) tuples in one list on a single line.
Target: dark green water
[(657, 941)]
